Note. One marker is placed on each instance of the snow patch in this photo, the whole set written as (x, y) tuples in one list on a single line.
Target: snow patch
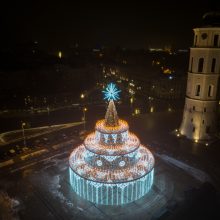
[(55, 190), (9, 206), (196, 173)]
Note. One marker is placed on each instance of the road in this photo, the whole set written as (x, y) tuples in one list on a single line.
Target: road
[(17, 135)]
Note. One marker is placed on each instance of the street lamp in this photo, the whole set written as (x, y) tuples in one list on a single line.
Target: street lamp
[(131, 102), (82, 96), (60, 54), (84, 117), (22, 126), (151, 109)]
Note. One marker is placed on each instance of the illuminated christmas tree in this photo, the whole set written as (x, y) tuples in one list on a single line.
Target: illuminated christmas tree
[(111, 167), (111, 116)]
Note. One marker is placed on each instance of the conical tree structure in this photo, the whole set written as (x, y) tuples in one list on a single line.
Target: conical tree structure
[(111, 166), (111, 116)]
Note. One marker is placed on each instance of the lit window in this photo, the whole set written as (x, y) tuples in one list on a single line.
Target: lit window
[(210, 91)]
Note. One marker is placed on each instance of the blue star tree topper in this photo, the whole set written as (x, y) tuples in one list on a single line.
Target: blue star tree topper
[(111, 92)]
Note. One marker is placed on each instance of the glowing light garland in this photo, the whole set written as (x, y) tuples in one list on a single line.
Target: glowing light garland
[(111, 194), (111, 167), (101, 127), (119, 148)]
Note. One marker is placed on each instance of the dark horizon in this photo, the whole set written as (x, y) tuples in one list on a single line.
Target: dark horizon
[(55, 25)]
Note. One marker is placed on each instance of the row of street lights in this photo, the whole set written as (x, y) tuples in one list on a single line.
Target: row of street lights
[(84, 110), (84, 117)]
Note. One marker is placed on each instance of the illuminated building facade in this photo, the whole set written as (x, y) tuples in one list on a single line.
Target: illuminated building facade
[(200, 111), (111, 167)]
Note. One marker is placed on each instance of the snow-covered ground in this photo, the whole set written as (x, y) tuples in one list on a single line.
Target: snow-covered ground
[(196, 173), (8, 207)]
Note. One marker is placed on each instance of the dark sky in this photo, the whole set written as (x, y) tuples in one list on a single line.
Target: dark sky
[(60, 24)]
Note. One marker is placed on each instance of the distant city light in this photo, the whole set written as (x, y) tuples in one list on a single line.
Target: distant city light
[(155, 49), (96, 50), (60, 54), (131, 91), (132, 84), (151, 109), (137, 111), (167, 71), (170, 77)]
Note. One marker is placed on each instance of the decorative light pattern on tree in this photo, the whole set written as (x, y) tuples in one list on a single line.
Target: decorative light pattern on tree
[(111, 167), (111, 92)]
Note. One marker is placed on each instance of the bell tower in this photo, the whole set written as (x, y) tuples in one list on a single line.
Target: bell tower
[(199, 121)]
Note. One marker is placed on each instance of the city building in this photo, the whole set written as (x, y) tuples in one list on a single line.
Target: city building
[(200, 112)]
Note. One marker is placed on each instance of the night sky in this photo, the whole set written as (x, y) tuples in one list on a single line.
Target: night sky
[(61, 24)]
